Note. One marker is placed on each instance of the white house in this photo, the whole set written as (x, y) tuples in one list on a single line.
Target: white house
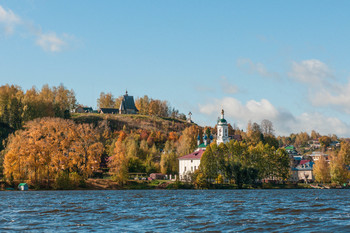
[(188, 164)]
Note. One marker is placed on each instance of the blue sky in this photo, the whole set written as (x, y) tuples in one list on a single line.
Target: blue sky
[(286, 61)]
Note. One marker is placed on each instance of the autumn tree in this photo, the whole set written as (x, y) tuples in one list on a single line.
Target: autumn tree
[(302, 139), (142, 104), (338, 170), (118, 163), (339, 163), (169, 163), (187, 141), (325, 141), (321, 170), (254, 134), (106, 100), (267, 127), (49, 146), (314, 135)]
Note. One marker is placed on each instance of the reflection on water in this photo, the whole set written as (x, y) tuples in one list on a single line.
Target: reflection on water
[(176, 210)]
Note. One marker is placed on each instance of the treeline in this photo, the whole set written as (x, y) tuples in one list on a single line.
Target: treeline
[(303, 139), (18, 107), (147, 152), (145, 105), (241, 163), (264, 132), (56, 152), (337, 169)]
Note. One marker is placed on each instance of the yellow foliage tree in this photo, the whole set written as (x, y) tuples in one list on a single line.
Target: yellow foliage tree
[(321, 171), (118, 163), (48, 146)]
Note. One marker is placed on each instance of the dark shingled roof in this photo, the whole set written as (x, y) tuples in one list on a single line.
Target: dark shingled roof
[(194, 155), (128, 103), (109, 110)]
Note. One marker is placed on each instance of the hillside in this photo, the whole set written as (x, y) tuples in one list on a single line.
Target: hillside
[(133, 122)]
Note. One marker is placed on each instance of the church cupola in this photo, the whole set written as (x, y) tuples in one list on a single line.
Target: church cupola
[(205, 139), (222, 129)]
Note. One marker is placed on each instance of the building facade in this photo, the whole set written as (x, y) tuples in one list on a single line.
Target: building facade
[(188, 164), (127, 106)]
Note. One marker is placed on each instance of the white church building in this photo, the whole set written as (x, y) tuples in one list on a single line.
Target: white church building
[(188, 164)]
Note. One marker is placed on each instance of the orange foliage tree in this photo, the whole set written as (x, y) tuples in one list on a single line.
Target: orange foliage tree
[(48, 146)]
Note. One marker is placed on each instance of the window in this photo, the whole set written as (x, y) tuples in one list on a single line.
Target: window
[(191, 161), (185, 168), (195, 168), (191, 169)]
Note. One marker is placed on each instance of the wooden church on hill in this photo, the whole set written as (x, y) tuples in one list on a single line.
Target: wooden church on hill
[(127, 106)]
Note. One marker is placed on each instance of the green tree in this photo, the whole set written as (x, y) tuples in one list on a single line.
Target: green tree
[(11, 107)]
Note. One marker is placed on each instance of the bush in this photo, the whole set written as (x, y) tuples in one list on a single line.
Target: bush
[(76, 180), (65, 180), (62, 181)]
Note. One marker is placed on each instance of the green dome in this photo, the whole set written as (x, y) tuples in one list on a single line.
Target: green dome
[(222, 121)]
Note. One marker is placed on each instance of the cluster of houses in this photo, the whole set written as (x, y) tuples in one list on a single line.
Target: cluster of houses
[(301, 166), (127, 106)]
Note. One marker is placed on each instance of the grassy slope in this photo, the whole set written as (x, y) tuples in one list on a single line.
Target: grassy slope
[(132, 122)]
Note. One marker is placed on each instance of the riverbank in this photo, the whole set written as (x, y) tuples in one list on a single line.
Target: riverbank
[(107, 184)]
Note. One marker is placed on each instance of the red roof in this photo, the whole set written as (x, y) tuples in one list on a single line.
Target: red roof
[(194, 155), (304, 161)]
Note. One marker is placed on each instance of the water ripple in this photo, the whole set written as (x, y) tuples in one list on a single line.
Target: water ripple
[(175, 211)]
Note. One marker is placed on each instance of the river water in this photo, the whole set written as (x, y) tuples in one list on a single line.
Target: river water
[(176, 211)]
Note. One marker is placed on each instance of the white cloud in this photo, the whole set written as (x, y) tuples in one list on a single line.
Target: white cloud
[(284, 121), (311, 71), (336, 96), (50, 42), (47, 41), (323, 88), (255, 68), (227, 87), (8, 20)]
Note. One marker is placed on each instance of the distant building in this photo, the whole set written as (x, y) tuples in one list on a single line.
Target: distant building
[(317, 155), (127, 106), (109, 110), (222, 128), (188, 164), (81, 109), (303, 171)]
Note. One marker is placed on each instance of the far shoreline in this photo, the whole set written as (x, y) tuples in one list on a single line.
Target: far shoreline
[(171, 185)]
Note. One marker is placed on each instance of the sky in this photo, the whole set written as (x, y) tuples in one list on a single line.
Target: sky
[(285, 61)]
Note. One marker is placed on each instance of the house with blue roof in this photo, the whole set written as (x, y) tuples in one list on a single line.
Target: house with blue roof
[(303, 171)]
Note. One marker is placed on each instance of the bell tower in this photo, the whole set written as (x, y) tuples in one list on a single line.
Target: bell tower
[(222, 130)]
